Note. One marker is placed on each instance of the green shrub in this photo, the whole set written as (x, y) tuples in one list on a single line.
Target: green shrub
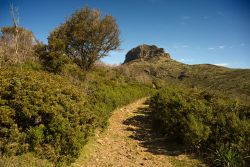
[(54, 61), (48, 116), (204, 121), (106, 89), (42, 113), (225, 156), (111, 95)]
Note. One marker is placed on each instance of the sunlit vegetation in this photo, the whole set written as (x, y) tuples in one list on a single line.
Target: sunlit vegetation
[(85, 37), (204, 122), (53, 116), (54, 97), (44, 114)]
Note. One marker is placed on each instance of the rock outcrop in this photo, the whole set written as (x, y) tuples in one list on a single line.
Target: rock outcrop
[(146, 52)]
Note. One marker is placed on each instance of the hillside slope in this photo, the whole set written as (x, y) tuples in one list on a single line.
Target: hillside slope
[(160, 70)]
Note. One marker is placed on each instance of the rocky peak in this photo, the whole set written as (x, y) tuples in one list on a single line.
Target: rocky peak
[(145, 52)]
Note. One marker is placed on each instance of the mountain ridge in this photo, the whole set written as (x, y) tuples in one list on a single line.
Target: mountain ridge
[(143, 64)]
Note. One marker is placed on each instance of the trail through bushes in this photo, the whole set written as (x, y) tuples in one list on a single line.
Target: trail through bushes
[(53, 117)]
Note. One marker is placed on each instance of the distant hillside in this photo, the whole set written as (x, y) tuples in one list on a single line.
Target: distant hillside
[(142, 63)]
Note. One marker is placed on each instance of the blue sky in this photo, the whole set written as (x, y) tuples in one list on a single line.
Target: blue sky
[(192, 31)]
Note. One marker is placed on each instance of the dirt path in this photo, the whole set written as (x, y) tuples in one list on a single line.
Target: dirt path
[(129, 142)]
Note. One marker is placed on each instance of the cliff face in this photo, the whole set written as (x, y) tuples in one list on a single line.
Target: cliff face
[(145, 52)]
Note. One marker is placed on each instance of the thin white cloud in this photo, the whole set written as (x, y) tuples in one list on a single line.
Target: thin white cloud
[(187, 60), (180, 46), (220, 13), (242, 44), (206, 17), (185, 17), (221, 46), (182, 23), (222, 64), (184, 46), (217, 47)]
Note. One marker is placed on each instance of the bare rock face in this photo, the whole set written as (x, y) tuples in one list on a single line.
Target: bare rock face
[(146, 52)]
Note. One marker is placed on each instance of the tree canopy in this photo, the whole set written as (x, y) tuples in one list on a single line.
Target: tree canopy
[(85, 37)]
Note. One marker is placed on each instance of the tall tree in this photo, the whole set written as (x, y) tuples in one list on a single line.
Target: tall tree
[(85, 37)]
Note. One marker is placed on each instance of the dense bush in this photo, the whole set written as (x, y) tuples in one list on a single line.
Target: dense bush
[(44, 114), (109, 97), (52, 61), (206, 122), (108, 89)]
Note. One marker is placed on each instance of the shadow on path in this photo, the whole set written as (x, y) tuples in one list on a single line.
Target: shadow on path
[(141, 127)]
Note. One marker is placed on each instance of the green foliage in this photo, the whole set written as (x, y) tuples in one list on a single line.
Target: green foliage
[(55, 61), (226, 157), (52, 61), (108, 89), (204, 121), (31, 65), (110, 96), (85, 37), (49, 116), (42, 113), (232, 82)]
